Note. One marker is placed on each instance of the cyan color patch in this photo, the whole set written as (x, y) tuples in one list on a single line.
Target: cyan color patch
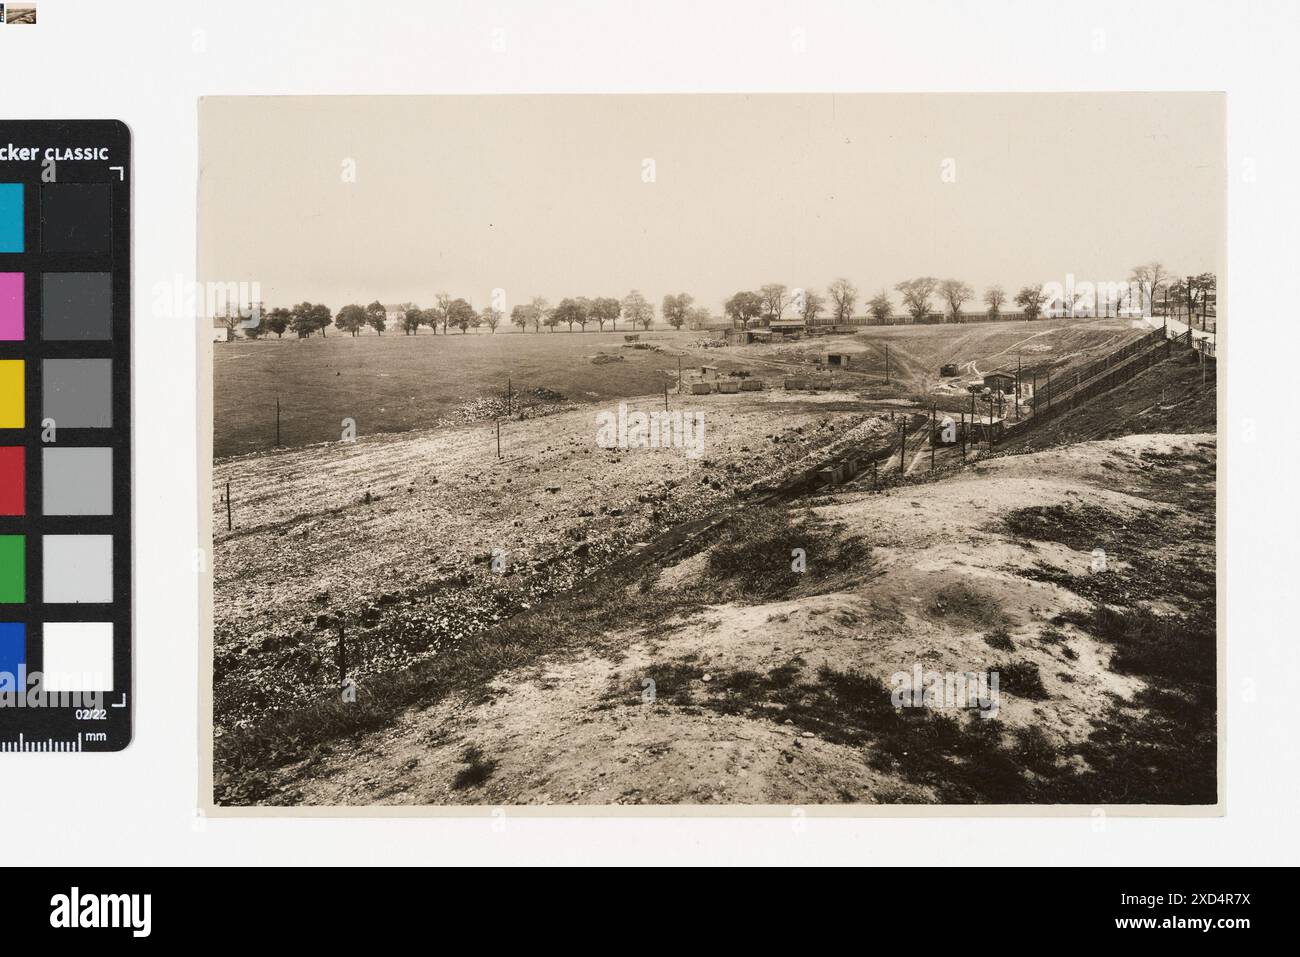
[(11, 217), (13, 654)]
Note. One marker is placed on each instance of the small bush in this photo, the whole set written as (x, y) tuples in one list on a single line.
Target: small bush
[(757, 551), (1022, 678), (1000, 640)]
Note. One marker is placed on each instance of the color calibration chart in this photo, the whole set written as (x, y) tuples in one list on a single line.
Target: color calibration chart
[(65, 436)]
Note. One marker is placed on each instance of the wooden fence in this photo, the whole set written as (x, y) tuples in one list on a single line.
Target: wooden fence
[(1100, 376)]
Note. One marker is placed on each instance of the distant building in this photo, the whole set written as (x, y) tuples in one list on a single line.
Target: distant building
[(745, 337), (837, 358), (1000, 381), (786, 326), (984, 428)]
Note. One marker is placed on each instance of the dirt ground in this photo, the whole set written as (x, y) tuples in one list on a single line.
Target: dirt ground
[(345, 533), (706, 736)]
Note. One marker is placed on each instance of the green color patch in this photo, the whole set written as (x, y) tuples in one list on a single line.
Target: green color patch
[(13, 569)]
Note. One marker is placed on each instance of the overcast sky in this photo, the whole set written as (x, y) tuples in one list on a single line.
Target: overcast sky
[(546, 195)]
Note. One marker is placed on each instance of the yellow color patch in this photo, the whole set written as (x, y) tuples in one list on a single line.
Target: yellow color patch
[(12, 385)]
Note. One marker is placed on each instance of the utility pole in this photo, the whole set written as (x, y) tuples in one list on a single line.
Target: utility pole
[(886, 363), (902, 447), (679, 375), (229, 520), (277, 421), (933, 422)]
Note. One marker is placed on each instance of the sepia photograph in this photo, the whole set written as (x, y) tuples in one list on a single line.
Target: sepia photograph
[(685, 452)]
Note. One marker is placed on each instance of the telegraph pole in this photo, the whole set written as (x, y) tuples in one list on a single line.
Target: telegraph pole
[(933, 422)]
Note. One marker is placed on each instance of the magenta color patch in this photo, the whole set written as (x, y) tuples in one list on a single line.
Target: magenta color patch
[(11, 305)]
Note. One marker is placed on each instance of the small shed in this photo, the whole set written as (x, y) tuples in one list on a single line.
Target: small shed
[(1000, 381), (986, 427), (708, 372), (948, 369), (837, 358)]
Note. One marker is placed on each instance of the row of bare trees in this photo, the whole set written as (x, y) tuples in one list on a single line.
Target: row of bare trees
[(920, 295), (1180, 297), (1148, 284)]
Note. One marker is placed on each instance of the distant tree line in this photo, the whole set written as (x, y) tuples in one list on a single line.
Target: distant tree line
[(1149, 286), (308, 319)]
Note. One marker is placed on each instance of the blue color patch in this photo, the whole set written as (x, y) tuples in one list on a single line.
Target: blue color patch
[(13, 654), (11, 217)]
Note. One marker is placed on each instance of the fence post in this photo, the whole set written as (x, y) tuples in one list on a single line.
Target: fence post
[(933, 419), (229, 519)]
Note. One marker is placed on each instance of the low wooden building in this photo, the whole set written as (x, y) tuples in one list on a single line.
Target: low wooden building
[(1000, 381), (746, 337), (986, 427)]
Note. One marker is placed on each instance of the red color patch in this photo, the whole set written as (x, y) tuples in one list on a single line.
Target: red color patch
[(13, 481)]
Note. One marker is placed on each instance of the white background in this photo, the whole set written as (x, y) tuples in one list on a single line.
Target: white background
[(147, 63)]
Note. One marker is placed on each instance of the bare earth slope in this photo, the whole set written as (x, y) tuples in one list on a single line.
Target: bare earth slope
[(776, 700)]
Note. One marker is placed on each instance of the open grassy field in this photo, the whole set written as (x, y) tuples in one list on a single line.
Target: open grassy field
[(397, 383)]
